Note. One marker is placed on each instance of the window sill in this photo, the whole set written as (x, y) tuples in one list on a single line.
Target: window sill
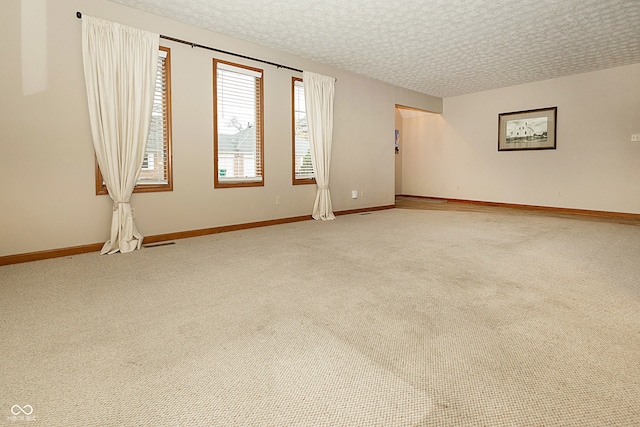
[(304, 181), (237, 184), (149, 188)]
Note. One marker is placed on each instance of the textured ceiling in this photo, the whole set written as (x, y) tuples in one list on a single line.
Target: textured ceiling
[(439, 47)]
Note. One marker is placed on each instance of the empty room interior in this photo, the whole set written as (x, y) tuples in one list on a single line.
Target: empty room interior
[(363, 213)]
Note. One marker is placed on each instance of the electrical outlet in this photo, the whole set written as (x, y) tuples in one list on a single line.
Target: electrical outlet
[(635, 137), (558, 193), (277, 200), (354, 194), (133, 212)]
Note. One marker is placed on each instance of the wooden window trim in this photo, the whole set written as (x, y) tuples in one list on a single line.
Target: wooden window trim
[(294, 180), (260, 126), (101, 188)]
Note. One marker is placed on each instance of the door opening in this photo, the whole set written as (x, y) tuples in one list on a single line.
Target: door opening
[(404, 140)]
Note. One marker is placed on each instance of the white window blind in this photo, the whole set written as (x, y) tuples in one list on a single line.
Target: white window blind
[(302, 153), (238, 123), (155, 170)]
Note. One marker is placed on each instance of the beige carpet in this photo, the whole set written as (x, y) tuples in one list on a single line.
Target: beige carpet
[(393, 318)]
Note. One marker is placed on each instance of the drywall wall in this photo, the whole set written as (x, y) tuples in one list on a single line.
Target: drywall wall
[(47, 161), (596, 166)]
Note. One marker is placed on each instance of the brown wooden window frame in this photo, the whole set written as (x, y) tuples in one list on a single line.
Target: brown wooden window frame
[(259, 127), (142, 187), (295, 180)]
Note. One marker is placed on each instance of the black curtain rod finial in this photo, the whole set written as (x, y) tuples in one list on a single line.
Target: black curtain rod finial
[(78, 15)]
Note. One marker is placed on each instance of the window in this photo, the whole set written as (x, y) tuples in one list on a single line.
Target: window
[(302, 166), (237, 109), (156, 173)]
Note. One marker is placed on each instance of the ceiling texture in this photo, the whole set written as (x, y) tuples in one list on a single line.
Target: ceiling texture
[(439, 47)]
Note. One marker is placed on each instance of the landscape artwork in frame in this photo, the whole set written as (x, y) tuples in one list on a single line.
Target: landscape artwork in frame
[(527, 130)]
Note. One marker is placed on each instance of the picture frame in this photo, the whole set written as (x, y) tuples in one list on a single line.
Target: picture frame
[(527, 130)]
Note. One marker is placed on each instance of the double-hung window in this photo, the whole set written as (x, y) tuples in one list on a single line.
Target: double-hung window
[(302, 166), (156, 173), (238, 133)]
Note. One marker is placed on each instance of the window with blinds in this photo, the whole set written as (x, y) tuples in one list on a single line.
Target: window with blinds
[(156, 173), (238, 139), (302, 166)]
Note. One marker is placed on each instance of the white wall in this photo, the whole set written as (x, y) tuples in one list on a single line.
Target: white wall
[(46, 155), (595, 165)]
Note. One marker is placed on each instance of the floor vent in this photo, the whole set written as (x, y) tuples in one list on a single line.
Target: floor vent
[(155, 245)]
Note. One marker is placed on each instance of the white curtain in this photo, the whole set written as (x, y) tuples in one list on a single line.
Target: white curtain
[(318, 94), (120, 65)]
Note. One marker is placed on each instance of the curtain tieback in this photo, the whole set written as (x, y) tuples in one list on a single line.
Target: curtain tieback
[(323, 187), (117, 204)]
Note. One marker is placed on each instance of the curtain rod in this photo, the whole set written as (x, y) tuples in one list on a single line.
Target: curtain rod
[(173, 39)]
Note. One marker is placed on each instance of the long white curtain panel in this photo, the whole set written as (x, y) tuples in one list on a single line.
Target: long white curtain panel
[(120, 65), (319, 94)]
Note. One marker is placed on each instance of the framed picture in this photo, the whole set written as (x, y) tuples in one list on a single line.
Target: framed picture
[(527, 130)]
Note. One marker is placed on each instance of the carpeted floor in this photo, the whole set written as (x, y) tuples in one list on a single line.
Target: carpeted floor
[(391, 318)]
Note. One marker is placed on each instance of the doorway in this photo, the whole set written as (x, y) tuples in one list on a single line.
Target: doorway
[(404, 139)]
